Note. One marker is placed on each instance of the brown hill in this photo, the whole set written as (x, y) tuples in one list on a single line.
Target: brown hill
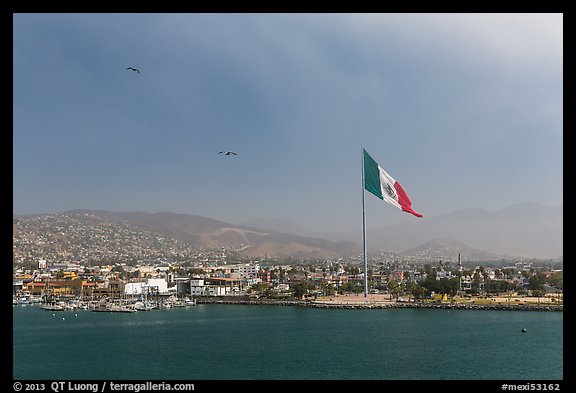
[(248, 241)]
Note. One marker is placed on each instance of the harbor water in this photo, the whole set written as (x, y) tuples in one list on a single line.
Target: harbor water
[(235, 342)]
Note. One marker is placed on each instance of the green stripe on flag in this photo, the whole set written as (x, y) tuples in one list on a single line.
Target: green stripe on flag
[(372, 176)]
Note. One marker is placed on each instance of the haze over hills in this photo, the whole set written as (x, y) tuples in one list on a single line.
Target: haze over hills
[(447, 250), (282, 226), (526, 230)]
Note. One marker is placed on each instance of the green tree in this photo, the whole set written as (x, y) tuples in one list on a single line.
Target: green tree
[(417, 291), (428, 270), (394, 288), (327, 289), (353, 287), (299, 290), (556, 280), (281, 274), (539, 293), (451, 286), (535, 283)]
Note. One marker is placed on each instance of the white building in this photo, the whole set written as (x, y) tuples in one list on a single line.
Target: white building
[(443, 274), (151, 285), (490, 272), (240, 270), (133, 288), (157, 285), (199, 288), (216, 290)]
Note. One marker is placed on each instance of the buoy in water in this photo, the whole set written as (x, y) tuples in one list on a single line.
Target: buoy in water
[(523, 330)]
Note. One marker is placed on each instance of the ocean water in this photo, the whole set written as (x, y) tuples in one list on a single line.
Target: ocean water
[(235, 342)]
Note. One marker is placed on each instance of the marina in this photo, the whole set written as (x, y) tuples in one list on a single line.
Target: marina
[(127, 305)]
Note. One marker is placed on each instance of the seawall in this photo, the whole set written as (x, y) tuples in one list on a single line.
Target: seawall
[(377, 305)]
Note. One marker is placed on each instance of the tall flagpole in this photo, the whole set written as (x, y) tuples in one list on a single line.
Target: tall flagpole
[(364, 232)]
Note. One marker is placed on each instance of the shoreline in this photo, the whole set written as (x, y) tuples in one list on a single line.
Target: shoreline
[(367, 304)]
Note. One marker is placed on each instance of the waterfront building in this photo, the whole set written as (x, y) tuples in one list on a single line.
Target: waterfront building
[(157, 285), (110, 288), (215, 286), (134, 288), (219, 286), (183, 286), (197, 287)]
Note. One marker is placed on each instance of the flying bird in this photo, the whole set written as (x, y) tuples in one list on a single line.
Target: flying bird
[(228, 153), (133, 69)]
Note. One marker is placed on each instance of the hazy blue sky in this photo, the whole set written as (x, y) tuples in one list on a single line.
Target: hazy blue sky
[(464, 110)]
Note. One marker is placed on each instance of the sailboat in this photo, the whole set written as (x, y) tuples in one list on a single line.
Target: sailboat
[(144, 305)]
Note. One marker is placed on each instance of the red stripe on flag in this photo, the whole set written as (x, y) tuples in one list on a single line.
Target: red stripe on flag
[(404, 201)]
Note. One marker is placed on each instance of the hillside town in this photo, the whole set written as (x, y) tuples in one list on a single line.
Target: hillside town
[(83, 260)]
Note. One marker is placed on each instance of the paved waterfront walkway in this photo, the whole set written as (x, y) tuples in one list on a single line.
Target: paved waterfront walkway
[(374, 301), (492, 303)]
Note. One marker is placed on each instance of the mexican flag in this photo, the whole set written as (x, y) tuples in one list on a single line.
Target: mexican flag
[(384, 186)]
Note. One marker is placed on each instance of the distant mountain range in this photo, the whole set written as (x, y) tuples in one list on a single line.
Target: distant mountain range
[(526, 230)]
